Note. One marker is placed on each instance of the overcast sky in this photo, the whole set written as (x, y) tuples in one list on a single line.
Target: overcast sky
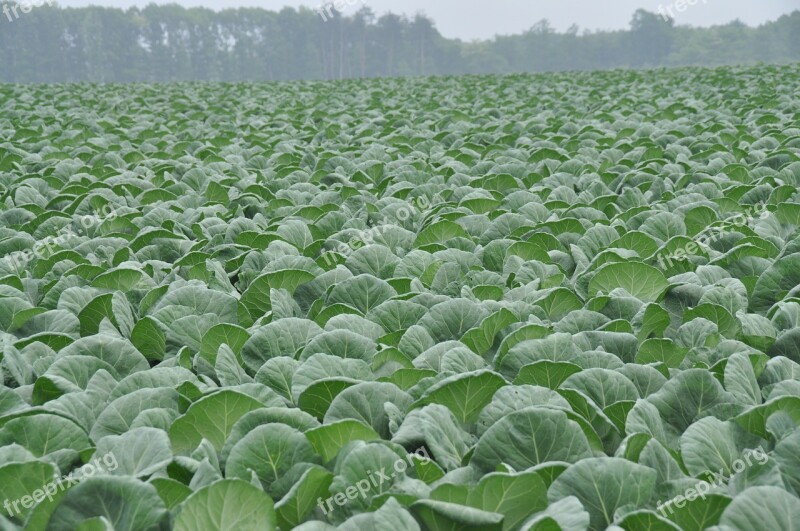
[(480, 19)]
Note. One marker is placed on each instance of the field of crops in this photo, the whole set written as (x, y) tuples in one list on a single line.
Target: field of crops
[(556, 302)]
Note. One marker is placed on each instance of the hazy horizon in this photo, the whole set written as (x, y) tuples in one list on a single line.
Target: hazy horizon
[(473, 19)]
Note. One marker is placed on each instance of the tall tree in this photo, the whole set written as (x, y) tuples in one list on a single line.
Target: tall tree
[(651, 38), (169, 43)]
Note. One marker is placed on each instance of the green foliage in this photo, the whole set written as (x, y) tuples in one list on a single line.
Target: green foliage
[(385, 313), (307, 44)]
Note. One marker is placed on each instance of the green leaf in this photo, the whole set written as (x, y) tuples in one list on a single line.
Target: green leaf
[(515, 496), (93, 313), (699, 513), (367, 402), (118, 279), (464, 394), (603, 485), (317, 397), (481, 338), (559, 302), (763, 507), (546, 373), (654, 321), (298, 503), (640, 280), (435, 427), (172, 492), (755, 418), (451, 319), (439, 232), (232, 335), (443, 516), (139, 453), (227, 505), (211, 418), (566, 514), (775, 282), (148, 339), (44, 434), (688, 396), (726, 324), (357, 480), (126, 503), (328, 439), (529, 437), (657, 350), (270, 451), (19, 482), (362, 292)]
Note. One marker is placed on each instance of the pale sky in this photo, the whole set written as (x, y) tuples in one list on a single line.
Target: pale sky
[(482, 19)]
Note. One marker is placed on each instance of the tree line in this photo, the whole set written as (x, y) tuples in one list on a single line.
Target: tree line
[(161, 43)]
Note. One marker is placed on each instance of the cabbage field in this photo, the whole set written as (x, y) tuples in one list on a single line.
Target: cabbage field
[(534, 302)]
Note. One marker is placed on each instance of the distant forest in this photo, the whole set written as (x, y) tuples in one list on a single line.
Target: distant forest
[(171, 43)]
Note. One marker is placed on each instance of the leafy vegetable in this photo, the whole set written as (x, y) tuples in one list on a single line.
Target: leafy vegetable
[(223, 308)]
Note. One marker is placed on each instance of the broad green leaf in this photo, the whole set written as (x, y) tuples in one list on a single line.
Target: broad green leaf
[(464, 394), (515, 496), (118, 279), (640, 280), (270, 451), (301, 500), (148, 339), (755, 419), (764, 507), (529, 437), (227, 505), (211, 418), (481, 338), (138, 453), (603, 485), (25, 480), (171, 491), (328, 439), (546, 373), (232, 335), (698, 513), (127, 504), (443, 516)]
